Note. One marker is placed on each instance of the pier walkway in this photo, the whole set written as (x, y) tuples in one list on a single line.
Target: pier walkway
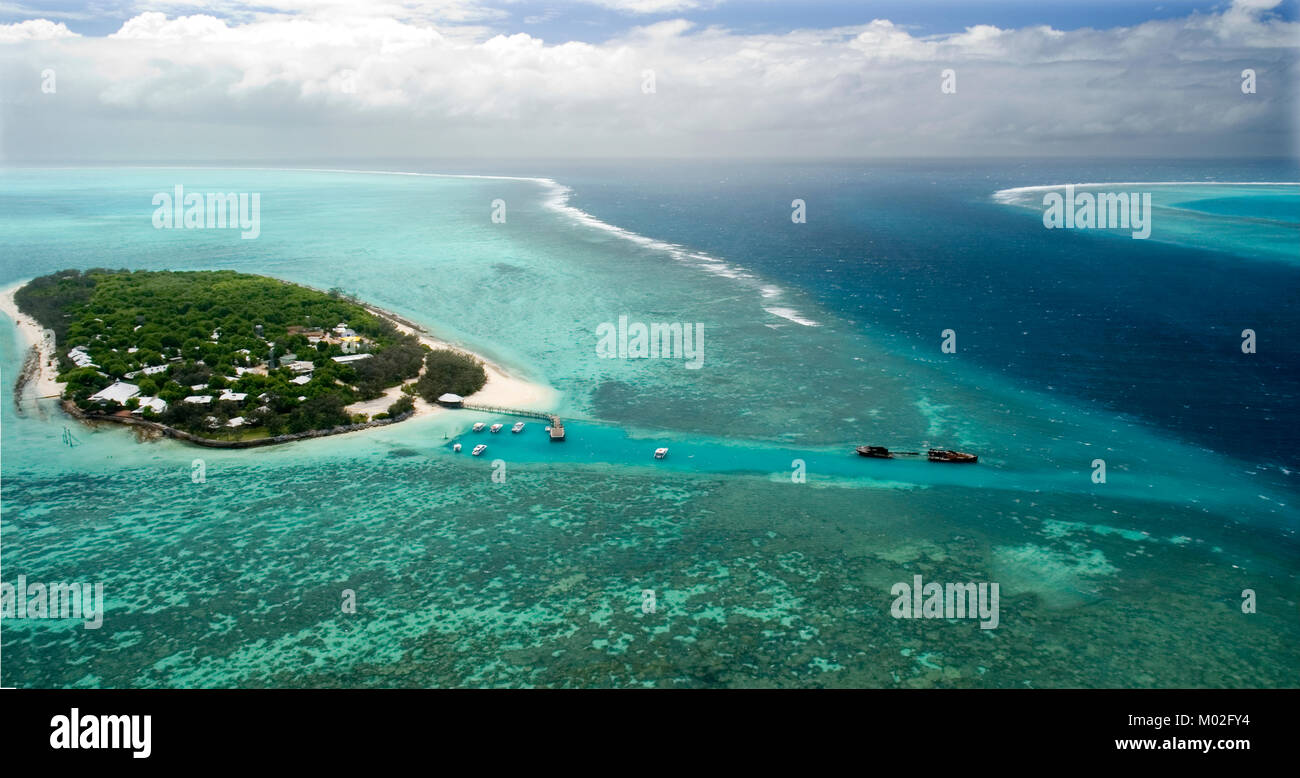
[(557, 424)]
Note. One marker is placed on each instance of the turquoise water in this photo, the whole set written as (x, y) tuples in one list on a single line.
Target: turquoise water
[(1257, 220), (760, 580)]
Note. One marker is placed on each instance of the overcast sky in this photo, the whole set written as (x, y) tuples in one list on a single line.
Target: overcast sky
[(319, 79)]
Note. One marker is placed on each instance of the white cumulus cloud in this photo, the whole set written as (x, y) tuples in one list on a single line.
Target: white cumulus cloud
[(283, 83)]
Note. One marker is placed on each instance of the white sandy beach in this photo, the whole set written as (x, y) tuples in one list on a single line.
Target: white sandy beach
[(502, 389), (45, 383)]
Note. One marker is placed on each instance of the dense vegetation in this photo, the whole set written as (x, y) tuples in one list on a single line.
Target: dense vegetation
[(213, 333), (450, 371)]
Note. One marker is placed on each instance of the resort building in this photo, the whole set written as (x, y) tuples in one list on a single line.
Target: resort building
[(451, 400), (156, 404), (351, 344), (351, 358), (300, 380), (199, 399), (80, 358), (117, 392), (233, 396)]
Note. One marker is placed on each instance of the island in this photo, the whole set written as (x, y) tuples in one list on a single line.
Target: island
[(228, 358)]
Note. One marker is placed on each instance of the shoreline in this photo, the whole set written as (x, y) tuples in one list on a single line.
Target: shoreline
[(44, 382), (502, 388)]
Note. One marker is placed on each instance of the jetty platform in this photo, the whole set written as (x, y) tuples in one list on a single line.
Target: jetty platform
[(557, 424)]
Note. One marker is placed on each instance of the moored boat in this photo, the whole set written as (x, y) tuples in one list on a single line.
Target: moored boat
[(456, 447), (519, 427), (660, 453), (495, 427), (478, 426), (479, 449), (876, 452), (948, 455)]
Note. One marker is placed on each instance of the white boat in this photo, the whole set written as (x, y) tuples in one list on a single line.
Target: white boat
[(478, 426), (660, 453), (519, 427), (496, 427), (456, 447), (479, 449)]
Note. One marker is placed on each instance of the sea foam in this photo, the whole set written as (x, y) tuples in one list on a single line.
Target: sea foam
[(557, 199)]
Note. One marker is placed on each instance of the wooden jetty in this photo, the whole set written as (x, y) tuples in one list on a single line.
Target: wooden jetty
[(557, 424)]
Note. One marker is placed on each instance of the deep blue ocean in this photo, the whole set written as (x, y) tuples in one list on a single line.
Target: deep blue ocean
[(907, 249)]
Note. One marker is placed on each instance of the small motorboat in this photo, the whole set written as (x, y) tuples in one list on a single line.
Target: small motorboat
[(496, 428), (880, 452), (478, 426), (479, 449), (660, 453), (876, 452), (519, 427), (947, 455), (455, 447)]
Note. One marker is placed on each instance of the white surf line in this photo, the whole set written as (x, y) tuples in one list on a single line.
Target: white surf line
[(790, 314), (1005, 194), (559, 202)]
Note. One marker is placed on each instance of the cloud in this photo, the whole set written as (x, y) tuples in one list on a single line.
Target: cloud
[(327, 82), (34, 30)]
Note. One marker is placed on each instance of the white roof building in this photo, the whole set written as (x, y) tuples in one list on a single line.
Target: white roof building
[(117, 392), (300, 380), (80, 358), (199, 399), (352, 358), (238, 421), (301, 366), (233, 396), (158, 405), (149, 370)]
